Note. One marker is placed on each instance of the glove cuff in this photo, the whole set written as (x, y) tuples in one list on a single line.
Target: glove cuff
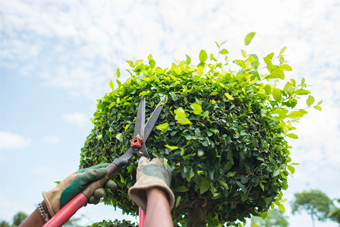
[(138, 192), (48, 203)]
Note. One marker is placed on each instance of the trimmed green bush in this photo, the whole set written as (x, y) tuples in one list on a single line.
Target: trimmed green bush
[(222, 131)]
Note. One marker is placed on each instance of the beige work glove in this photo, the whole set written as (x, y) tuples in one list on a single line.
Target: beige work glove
[(149, 175), (61, 194)]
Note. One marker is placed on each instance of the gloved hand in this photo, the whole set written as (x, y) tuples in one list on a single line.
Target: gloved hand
[(59, 196), (149, 175)]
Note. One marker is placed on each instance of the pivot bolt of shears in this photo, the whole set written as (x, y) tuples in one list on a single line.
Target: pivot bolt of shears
[(136, 142)]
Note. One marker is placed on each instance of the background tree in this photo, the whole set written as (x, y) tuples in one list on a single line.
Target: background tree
[(4, 224), (275, 218), (222, 130), (316, 203), (334, 215), (18, 218)]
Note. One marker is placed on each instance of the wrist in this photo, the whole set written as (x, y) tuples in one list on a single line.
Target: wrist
[(42, 207)]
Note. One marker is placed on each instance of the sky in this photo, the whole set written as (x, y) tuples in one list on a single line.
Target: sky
[(57, 58)]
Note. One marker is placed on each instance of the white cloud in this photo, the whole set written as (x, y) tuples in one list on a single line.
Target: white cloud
[(78, 119), (50, 140), (94, 39), (13, 141)]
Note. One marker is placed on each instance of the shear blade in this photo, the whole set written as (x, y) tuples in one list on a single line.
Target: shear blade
[(140, 121)]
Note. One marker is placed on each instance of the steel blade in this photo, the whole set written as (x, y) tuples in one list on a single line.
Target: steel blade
[(140, 120), (153, 119)]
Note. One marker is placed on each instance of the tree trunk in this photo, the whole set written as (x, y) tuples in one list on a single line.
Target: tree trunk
[(196, 217)]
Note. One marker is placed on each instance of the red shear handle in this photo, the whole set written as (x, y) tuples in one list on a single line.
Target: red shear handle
[(141, 217), (67, 211)]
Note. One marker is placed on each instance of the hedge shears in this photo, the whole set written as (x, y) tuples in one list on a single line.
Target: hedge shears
[(137, 147)]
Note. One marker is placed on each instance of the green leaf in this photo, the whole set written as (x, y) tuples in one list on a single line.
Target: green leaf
[(255, 225), (119, 136), (173, 96), (292, 135), (214, 130), (152, 63), (130, 63), (283, 50), (144, 93), (57, 182), (184, 121), (267, 89), (319, 103), (224, 51), (302, 92), (288, 88), (181, 189), (126, 127), (188, 61), (118, 72), (150, 57), (171, 147), (200, 152), (249, 37), (282, 208), (206, 114), (121, 178), (318, 108), (200, 70), (138, 62), (224, 184), (285, 67), (264, 214), (244, 54), (197, 108), (165, 163), (205, 185), (112, 86), (163, 127), (277, 94), (178, 201), (291, 169), (214, 93), (203, 56), (231, 174), (297, 114), (262, 186), (310, 100), (229, 96)]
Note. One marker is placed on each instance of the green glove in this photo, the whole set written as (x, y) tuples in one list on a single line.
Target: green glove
[(149, 175), (72, 185)]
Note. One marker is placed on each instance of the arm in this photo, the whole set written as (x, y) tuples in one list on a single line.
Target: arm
[(59, 196), (158, 209), (35, 218)]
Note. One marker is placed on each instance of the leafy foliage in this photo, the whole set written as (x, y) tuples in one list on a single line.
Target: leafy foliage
[(115, 223), (222, 131), (334, 215), (316, 203), (275, 218)]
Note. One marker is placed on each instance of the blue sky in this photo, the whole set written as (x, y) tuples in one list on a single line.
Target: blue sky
[(57, 58)]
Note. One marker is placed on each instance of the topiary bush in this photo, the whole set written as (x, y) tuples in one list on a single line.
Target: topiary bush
[(115, 223), (223, 132)]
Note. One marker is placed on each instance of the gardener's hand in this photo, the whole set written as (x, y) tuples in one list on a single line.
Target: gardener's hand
[(59, 196), (150, 175)]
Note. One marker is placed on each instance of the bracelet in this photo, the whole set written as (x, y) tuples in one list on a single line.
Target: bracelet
[(43, 213)]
